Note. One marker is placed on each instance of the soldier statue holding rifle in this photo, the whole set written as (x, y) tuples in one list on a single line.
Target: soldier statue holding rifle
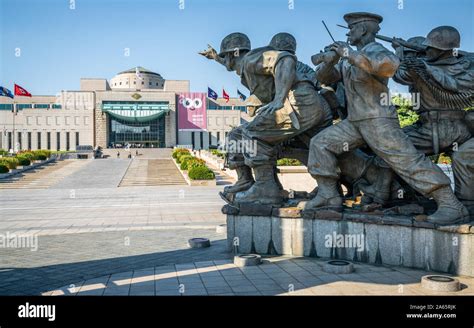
[(365, 73), (444, 79)]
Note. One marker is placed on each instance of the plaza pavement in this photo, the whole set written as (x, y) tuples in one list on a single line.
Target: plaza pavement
[(86, 226), (276, 276), (99, 239)]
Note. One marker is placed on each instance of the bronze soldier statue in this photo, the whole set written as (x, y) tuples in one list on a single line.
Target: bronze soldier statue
[(445, 81), (288, 105), (284, 41), (365, 73)]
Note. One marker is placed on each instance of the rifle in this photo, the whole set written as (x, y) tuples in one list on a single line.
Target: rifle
[(401, 42)]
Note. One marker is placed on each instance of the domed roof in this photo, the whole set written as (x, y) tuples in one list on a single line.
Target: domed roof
[(140, 70)]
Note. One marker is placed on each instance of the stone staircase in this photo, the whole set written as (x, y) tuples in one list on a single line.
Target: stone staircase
[(152, 172), (43, 177), (143, 153)]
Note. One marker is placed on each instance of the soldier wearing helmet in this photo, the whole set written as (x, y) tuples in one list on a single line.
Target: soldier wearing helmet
[(333, 94), (445, 83), (365, 73), (441, 41), (283, 41), (289, 105), (286, 42)]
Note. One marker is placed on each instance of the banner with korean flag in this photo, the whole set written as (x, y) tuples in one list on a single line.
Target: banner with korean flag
[(192, 111)]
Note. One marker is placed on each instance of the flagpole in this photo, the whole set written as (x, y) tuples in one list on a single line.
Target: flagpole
[(223, 128), (13, 137)]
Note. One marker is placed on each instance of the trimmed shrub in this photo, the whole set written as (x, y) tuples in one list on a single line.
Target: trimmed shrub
[(180, 156), (191, 161), (288, 162), (41, 154), (3, 169), (217, 153), (196, 162), (184, 160), (10, 162), (201, 172), (23, 161), (3, 152), (178, 151), (27, 154)]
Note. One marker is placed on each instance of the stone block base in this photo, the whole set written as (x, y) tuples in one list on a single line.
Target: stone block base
[(381, 240)]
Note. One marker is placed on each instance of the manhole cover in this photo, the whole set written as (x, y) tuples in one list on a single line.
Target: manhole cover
[(339, 263), (440, 278), (199, 242), (247, 260), (338, 267), (440, 283)]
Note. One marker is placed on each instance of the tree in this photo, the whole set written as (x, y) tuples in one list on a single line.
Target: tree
[(406, 115)]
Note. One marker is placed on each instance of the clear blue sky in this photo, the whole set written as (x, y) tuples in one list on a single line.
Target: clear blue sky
[(59, 45)]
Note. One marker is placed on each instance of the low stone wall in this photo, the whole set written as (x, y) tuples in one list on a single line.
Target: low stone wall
[(381, 239)]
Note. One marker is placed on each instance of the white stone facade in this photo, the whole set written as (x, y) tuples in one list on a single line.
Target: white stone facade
[(77, 118)]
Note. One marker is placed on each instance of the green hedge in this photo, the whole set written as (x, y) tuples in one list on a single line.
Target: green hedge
[(201, 172), (23, 161), (196, 162), (183, 160), (3, 169), (181, 155), (217, 153), (27, 154), (41, 154), (191, 161), (288, 162), (10, 162), (3, 152), (179, 151)]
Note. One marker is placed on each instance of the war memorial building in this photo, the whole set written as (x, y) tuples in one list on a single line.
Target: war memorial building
[(136, 107)]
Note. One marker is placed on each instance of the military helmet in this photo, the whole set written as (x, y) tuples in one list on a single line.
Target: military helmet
[(443, 38), (284, 42), (233, 42), (416, 40)]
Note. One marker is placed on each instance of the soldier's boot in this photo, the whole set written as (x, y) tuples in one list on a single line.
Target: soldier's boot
[(450, 209), (277, 180), (313, 192), (244, 180), (380, 191), (328, 196), (469, 204), (264, 191)]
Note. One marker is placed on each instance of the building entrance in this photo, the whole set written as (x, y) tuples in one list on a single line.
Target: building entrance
[(137, 134)]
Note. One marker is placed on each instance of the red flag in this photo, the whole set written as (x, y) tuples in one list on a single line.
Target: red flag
[(19, 91), (225, 96)]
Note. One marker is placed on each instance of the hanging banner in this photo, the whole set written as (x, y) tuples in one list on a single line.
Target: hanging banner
[(192, 111)]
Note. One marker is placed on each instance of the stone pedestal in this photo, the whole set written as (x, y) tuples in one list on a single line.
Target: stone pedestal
[(377, 238)]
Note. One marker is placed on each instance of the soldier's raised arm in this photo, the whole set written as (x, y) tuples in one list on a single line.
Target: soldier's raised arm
[(211, 53), (376, 60), (327, 69), (403, 75)]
